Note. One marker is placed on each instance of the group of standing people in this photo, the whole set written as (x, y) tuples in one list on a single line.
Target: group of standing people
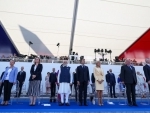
[(81, 79)]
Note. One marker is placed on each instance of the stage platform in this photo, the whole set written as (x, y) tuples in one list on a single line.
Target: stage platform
[(23, 107)]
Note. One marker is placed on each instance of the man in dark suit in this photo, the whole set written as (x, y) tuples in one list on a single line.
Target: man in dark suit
[(75, 83), (93, 87), (83, 80), (92, 78), (53, 82), (106, 77), (21, 78), (146, 70), (128, 77), (111, 82)]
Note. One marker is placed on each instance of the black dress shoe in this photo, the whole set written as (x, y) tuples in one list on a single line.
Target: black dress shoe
[(50, 100), (115, 97), (85, 105), (129, 104), (80, 104), (135, 104), (67, 104), (54, 100), (61, 104)]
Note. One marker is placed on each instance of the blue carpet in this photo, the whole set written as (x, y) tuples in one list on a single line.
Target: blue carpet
[(24, 107)]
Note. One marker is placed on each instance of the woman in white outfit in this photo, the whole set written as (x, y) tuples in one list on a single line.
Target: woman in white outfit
[(141, 83), (99, 81)]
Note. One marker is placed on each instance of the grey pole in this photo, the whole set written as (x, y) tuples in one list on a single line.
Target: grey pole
[(73, 25)]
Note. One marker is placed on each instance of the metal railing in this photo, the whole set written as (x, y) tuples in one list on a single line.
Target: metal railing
[(61, 61)]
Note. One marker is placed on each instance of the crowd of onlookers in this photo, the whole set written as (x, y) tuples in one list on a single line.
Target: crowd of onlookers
[(7, 58), (63, 58), (45, 58)]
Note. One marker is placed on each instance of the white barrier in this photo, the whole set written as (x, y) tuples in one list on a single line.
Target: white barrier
[(47, 67)]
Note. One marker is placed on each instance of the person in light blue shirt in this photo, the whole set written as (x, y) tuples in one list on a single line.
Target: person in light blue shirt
[(9, 79)]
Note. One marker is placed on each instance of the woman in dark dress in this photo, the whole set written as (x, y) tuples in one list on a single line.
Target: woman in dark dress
[(35, 81)]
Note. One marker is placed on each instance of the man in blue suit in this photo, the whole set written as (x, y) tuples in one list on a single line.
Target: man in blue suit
[(112, 83)]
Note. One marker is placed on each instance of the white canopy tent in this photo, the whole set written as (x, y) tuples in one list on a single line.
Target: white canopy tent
[(104, 24)]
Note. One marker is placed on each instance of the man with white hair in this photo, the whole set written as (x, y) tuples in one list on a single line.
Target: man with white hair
[(64, 80), (146, 70), (128, 77)]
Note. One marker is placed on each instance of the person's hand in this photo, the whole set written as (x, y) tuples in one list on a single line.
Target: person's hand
[(70, 84), (149, 82), (122, 82), (33, 76), (14, 83), (99, 82), (78, 82), (58, 84), (88, 82)]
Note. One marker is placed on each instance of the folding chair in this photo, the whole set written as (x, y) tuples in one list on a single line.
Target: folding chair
[(108, 96), (41, 95), (89, 94), (146, 92), (24, 91), (94, 97), (17, 91), (122, 93)]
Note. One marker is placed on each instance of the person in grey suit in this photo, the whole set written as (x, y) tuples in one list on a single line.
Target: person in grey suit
[(128, 77)]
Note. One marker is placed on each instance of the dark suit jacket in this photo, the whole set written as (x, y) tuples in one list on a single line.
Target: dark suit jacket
[(75, 78), (83, 74), (37, 72), (53, 77), (146, 70), (106, 77), (127, 73), (21, 76), (93, 78), (111, 78), (2, 74)]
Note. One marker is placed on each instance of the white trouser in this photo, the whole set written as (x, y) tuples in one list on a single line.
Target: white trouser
[(66, 95)]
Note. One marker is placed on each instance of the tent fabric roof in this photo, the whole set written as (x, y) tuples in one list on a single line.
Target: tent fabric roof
[(104, 24), (140, 49), (7, 47)]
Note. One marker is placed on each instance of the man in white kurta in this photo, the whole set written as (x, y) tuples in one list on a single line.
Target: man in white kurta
[(64, 80)]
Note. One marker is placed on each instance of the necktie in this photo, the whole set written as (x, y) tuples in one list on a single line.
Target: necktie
[(130, 67)]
